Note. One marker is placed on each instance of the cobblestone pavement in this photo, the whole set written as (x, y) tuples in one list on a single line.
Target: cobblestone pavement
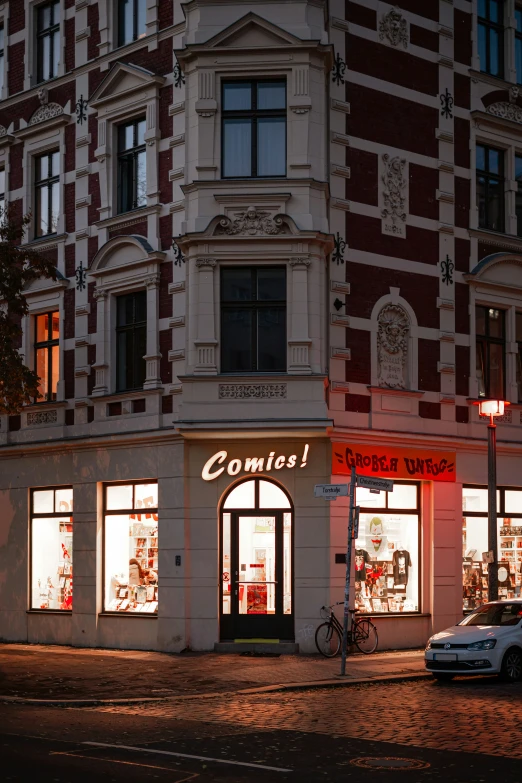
[(45, 671), (479, 716)]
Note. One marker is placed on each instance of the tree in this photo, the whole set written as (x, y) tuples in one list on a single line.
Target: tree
[(19, 266)]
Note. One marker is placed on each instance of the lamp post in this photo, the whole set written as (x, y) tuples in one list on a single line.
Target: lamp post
[(492, 408)]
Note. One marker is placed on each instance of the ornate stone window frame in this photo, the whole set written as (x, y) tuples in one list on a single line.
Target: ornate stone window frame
[(31, 55), (142, 272), (114, 107)]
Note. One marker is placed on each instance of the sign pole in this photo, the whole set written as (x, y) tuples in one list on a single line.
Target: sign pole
[(348, 571)]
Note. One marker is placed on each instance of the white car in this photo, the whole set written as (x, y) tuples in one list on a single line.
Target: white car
[(487, 641)]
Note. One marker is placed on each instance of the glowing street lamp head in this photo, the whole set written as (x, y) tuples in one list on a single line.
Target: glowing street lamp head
[(491, 407)]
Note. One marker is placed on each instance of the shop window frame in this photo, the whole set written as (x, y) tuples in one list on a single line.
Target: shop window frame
[(45, 515), (417, 511), (126, 512)]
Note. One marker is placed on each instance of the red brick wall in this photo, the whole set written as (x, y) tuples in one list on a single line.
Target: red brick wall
[(70, 208), (429, 410), (358, 14), (161, 61), (165, 299), (426, 8), (69, 44), (462, 359), (165, 120), (92, 248), (429, 355), (165, 229), (462, 91), (16, 172), (363, 183), (165, 186), (462, 154), (15, 76), (462, 251), (461, 308), (364, 232), (423, 192), (357, 403), (462, 202), (70, 260), (70, 147), (68, 373), (91, 359), (428, 39), (462, 36), (137, 229), (94, 191), (69, 299), (165, 15), (394, 65), (359, 368), (93, 20), (16, 16), (165, 345), (91, 320)]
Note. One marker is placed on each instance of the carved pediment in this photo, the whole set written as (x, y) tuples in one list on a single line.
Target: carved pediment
[(124, 79), (46, 112), (252, 222), (251, 31), (507, 109), (498, 269)]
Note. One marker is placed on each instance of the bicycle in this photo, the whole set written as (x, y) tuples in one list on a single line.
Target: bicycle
[(328, 636)]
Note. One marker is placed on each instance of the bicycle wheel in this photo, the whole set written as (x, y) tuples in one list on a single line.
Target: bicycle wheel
[(328, 640), (365, 636)]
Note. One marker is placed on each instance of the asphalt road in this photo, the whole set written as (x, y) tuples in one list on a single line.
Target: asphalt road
[(304, 736)]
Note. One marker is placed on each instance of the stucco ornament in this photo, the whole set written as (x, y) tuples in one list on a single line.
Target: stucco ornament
[(392, 346), (394, 28), (394, 191), (3, 131), (46, 112), (251, 222), (43, 96)]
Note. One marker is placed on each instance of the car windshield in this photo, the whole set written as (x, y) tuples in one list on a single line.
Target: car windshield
[(495, 614)]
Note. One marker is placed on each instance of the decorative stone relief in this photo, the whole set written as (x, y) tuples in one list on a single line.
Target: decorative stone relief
[(394, 194), (3, 131), (253, 391), (392, 346), (43, 417), (46, 112), (507, 111), (394, 28), (251, 222)]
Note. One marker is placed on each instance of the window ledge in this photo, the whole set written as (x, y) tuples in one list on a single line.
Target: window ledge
[(46, 243), (391, 615), (395, 392), (125, 395), (44, 405), (139, 615), (128, 218), (509, 241), (496, 81), (49, 611)]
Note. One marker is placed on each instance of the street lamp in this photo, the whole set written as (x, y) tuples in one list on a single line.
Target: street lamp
[(492, 408)]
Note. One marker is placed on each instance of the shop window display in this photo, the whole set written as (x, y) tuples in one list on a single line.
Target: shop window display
[(52, 549), (475, 543), (131, 548), (387, 550)]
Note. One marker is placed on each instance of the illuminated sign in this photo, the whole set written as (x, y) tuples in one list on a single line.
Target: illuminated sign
[(250, 464), (393, 462)]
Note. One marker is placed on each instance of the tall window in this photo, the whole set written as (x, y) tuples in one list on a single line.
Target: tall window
[(52, 548), (47, 40), (490, 335), (2, 60), (518, 194), (132, 169), (2, 193), (475, 542), (253, 319), (131, 547), (518, 43), (131, 340), (47, 193), (491, 36), (490, 187), (47, 354), (254, 129), (387, 550), (131, 20)]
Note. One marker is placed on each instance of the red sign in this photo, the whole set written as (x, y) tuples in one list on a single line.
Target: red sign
[(393, 463)]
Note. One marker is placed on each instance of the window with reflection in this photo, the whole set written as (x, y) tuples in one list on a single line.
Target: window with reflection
[(490, 352), (52, 548), (47, 354), (253, 319), (47, 40), (475, 543), (387, 550), (132, 167), (131, 340), (491, 36), (490, 188), (131, 547), (254, 128), (132, 16), (47, 193)]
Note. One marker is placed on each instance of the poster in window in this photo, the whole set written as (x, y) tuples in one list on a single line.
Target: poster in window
[(256, 599)]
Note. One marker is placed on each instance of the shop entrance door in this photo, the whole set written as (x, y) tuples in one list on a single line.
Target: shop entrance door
[(257, 579)]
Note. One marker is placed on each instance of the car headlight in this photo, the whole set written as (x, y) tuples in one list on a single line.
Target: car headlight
[(486, 644), (428, 644)]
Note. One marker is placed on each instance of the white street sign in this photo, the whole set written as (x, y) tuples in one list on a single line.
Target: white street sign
[(330, 491), (385, 485)]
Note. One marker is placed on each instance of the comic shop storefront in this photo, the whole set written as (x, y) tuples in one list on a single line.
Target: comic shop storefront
[(401, 548)]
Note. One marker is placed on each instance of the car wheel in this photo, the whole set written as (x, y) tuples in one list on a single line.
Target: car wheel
[(443, 676), (511, 670)]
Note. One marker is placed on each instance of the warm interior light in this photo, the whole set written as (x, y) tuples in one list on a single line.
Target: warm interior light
[(492, 407)]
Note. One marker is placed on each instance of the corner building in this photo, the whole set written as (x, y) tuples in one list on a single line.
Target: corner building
[(288, 240)]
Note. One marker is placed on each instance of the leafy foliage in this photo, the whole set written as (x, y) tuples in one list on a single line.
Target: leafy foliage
[(19, 266)]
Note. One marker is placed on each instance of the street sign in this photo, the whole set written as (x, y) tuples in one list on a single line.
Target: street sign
[(330, 491), (369, 482)]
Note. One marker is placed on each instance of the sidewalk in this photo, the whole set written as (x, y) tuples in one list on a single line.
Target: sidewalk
[(52, 673)]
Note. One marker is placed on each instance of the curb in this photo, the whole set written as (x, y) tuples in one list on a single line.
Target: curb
[(281, 688)]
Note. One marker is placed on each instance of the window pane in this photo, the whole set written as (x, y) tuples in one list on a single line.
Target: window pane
[(52, 552), (518, 19), (495, 161), (131, 563), (236, 341), (513, 501), (55, 326), (146, 496), (2, 38), (271, 284), (271, 340), (237, 148), (237, 96), (481, 202), (495, 11), (126, 23), (141, 180), (63, 500), (42, 167), (242, 496), (496, 372), (496, 322), (140, 307), (271, 147), (518, 59), (45, 44), (271, 96), (42, 372), (482, 35), (125, 183), (519, 327), (55, 164), (43, 501), (494, 206), (141, 18), (44, 15), (55, 371), (480, 368), (272, 496), (474, 574), (42, 327), (55, 206), (140, 132), (236, 285), (227, 565), (363, 497), (482, 8), (2, 67), (56, 52), (42, 211), (139, 362), (403, 496), (119, 496), (480, 319), (121, 366)]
